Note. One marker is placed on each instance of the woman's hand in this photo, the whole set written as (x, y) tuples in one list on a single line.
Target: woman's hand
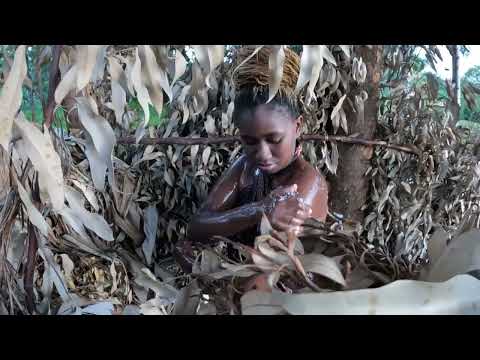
[(285, 209)]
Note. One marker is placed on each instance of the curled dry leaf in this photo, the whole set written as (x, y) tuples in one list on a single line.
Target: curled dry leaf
[(91, 221), (198, 90), (11, 96), (34, 215), (275, 66), (45, 160), (206, 155), (334, 157), (310, 67), (322, 265), (215, 57), (180, 66), (119, 96), (201, 54), (103, 139), (135, 78), (68, 267), (86, 61), (66, 85), (155, 77), (87, 192), (337, 107)]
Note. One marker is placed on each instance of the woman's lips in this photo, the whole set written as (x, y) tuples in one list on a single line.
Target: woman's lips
[(265, 166)]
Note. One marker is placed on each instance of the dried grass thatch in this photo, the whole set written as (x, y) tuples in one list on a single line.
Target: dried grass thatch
[(109, 246)]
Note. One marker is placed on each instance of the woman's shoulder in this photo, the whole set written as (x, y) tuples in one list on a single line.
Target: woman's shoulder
[(241, 171), (307, 173)]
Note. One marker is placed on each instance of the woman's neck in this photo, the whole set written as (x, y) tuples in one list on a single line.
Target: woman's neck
[(281, 177)]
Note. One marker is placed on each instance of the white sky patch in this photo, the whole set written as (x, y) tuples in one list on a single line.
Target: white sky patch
[(444, 68)]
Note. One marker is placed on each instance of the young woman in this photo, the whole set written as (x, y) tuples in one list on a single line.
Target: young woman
[(271, 177)]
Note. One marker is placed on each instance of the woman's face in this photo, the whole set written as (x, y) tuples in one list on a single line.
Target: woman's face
[(269, 137)]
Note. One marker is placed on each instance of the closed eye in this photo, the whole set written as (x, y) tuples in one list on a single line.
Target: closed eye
[(275, 140)]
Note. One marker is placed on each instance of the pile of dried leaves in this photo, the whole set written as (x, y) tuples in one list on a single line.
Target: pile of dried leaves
[(105, 215)]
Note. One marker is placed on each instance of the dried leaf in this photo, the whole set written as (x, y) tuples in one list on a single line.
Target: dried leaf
[(86, 61), (345, 49), (16, 247), (322, 265), (215, 57), (180, 66), (68, 266), (45, 160), (91, 221), (459, 257), (257, 302), (119, 96), (459, 295), (201, 54), (11, 96), (188, 300), (337, 107), (210, 125), (334, 157), (275, 66), (154, 77), (66, 85), (310, 67), (98, 167), (139, 86), (206, 155), (210, 262), (103, 139), (101, 308), (150, 229), (88, 193), (34, 215), (55, 272)]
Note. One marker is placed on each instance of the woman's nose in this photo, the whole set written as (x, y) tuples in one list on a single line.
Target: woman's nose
[(263, 152)]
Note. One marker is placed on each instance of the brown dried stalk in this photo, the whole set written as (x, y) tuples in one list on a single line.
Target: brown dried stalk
[(53, 82), (231, 139)]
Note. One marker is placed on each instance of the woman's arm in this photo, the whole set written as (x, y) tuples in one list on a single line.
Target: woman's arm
[(309, 199), (217, 215)]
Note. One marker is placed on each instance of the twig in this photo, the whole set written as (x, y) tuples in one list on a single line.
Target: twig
[(232, 139), (53, 82), (30, 268), (31, 254)]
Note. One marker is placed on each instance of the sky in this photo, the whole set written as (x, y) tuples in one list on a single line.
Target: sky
[(444, 68)]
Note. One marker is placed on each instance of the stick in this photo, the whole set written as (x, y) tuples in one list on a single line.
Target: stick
[(232, 139)]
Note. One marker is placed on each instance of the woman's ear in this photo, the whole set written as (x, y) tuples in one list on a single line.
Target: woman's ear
[(298, 125)]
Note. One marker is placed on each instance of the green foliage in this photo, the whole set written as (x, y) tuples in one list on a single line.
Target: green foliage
[(156, 120), (472, 76), (474, 126)]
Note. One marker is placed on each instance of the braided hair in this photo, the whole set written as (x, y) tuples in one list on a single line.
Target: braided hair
[(251, 81)]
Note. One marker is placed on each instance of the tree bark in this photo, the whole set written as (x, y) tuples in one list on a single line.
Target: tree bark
[(456, 83), (349, 188)]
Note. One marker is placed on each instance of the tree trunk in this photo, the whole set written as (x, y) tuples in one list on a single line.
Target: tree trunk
[(349, 188), (455, 83)]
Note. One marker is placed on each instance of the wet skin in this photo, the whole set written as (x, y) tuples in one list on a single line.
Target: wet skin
[(268, 136)]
